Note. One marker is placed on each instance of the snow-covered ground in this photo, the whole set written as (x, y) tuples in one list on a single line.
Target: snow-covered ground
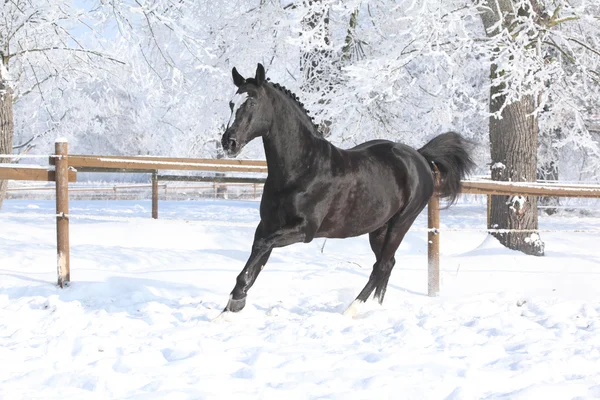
[(135, 323)]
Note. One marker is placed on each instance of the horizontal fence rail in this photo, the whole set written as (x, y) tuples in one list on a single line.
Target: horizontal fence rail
[(31, 173), (64, 167), (136, 164), (529, 189)]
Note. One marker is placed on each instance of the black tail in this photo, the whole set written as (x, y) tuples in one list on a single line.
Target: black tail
[(448, 153)]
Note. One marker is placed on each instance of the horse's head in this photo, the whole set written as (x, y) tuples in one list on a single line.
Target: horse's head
[(250, 114)]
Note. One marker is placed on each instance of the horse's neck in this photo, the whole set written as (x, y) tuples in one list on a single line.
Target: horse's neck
[(291, 149)]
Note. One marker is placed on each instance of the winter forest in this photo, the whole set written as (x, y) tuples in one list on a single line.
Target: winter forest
[(153, 77), (521, 78)]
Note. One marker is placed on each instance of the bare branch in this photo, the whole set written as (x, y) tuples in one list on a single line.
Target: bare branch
[(21, 26), (34, 87), (96, 53), (39, 135), (563, 52), (584, 46), (154, 36)]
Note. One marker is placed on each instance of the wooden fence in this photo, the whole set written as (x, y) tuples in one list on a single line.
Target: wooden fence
[(64, 168), (62, 175)]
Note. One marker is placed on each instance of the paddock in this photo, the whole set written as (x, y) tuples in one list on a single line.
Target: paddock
[(64, 166), (135, 320)]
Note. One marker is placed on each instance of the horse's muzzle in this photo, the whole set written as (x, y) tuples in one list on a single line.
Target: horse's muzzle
[(230, 145)]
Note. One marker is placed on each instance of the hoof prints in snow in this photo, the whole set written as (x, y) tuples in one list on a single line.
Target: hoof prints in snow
[(136, 322)]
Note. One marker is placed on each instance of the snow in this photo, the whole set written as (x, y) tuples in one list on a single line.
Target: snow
[(517, 204), (4, 76), (136, 321), (27, 166)]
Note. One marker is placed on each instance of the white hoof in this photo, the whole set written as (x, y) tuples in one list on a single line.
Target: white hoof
[(225, 316), (354, 309)]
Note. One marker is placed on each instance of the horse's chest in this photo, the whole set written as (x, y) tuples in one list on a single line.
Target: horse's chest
[(277, 207), (281, 208)]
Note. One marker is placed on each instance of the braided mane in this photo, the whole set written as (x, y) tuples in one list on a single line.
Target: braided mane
[(293, 96)]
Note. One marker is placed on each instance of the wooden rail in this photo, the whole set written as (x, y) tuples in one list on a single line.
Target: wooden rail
[(83, 160), (31, 173), (136, 164), (529, 189)]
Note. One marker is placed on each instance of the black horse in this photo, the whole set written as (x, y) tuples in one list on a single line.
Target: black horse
[(314, 189)]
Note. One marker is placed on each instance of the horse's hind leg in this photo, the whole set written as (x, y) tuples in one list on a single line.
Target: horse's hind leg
[(377, 241), (384, 243), (397, 229)]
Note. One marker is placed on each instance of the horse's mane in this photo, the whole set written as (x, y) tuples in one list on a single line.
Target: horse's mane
[(296, 100)]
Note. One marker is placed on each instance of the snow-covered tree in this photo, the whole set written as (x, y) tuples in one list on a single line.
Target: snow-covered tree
[(538, 58), (154, 76), (45, 55)]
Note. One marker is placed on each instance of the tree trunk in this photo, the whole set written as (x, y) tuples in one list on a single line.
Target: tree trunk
[(513, 149), (6, 125)]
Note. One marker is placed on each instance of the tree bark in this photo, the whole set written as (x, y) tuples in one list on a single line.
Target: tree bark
[(6, 125), (513, 149)]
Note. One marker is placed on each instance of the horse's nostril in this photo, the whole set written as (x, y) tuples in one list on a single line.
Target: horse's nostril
[(232, 143)]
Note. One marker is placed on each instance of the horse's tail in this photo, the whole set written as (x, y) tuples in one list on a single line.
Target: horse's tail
[(449, 154)]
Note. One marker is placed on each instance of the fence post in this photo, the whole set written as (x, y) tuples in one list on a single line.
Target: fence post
[(61, 149), (489, 210), (155, 194), (433, 241)]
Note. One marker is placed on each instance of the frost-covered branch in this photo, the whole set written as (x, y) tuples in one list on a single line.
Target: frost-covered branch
[(92, 52)]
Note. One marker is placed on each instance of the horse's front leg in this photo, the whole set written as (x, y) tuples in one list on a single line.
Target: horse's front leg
[(261, 250), (256, 262)]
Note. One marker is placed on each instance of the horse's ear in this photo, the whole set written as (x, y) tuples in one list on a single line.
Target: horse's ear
[(238, 80), (260, 74)]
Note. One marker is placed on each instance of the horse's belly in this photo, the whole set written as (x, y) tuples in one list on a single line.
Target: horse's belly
[(346, 231), (362, 216)]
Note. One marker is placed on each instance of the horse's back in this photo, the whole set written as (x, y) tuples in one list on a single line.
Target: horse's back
[(372, 182), (372, 143), (401, 156)]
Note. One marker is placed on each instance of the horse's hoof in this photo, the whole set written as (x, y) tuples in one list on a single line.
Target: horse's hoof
[(354, 309), (234, 305)]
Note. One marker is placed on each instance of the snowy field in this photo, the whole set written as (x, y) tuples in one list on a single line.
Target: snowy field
[(135, 323)]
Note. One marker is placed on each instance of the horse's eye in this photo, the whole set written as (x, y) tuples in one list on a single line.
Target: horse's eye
[(231, 105)]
